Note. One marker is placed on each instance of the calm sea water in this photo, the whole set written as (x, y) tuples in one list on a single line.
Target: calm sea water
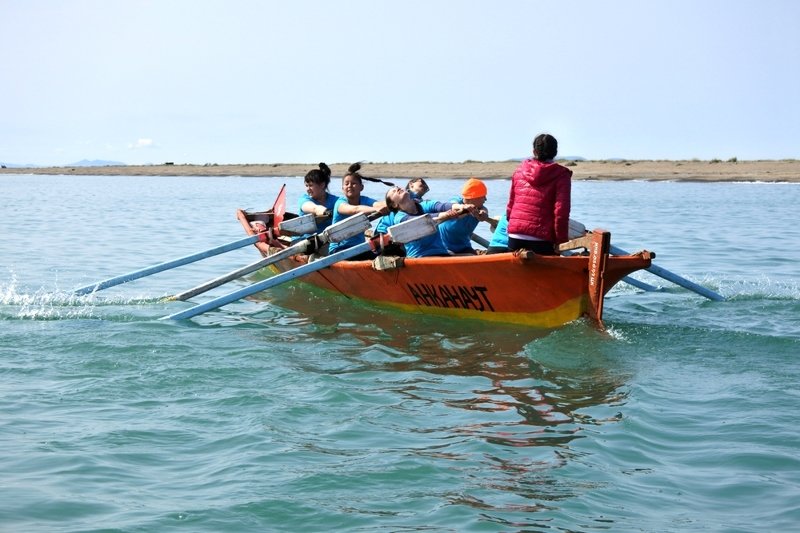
[(300, 411)]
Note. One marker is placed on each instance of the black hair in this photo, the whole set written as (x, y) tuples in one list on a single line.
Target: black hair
[(414, 180), (389, 204), (353, 170), (545, 147), (320, 176)]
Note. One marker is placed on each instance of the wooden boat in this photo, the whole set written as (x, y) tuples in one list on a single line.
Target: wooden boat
[(517, 288)]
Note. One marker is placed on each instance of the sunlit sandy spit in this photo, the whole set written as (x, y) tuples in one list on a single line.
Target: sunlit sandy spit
[(786, 170)]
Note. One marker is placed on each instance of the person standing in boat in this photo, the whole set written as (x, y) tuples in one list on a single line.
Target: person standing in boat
[(539, 202), (457, 232), (352, 203), (402, 206), (317, 200)]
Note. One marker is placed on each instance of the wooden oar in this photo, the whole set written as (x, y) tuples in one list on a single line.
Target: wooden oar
[(407, 231), (271, 282), (295, 249), (344, 229), (160, 267), (479, 240)]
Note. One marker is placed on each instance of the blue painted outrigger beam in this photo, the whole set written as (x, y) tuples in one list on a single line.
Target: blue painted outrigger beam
[(639, 284), (674, 278)]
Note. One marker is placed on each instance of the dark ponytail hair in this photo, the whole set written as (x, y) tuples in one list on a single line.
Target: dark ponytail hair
[(321, 176), (353, 170), (545, 147)]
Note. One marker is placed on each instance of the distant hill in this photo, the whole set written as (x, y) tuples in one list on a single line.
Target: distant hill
[(96, 163), (81, 163)]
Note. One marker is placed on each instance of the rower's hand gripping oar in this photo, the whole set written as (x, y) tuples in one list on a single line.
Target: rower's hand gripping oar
[(167, 265), (407, 231), (349, 227)]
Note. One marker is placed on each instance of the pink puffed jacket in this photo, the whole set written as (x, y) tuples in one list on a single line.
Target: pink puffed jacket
[(539, 202)]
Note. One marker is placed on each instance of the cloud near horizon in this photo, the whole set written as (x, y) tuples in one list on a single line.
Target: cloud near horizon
[(141, 144)]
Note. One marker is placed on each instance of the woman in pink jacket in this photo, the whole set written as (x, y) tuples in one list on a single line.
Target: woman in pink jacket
[(539, 202)]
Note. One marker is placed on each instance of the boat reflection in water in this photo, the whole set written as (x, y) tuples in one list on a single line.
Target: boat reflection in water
[(472, 393)]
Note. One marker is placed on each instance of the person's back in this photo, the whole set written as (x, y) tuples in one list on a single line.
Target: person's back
[(499, 242), (539, 201)]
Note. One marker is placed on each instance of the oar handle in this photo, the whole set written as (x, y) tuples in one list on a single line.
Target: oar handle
[(349, 227), (480, 240)]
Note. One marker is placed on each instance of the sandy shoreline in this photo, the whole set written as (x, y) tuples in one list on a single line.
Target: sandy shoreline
[(787, 170)]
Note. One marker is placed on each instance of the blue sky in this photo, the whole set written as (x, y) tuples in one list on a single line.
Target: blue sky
[(301, 81)]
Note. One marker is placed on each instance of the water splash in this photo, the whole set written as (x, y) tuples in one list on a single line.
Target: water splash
[(47, 304), (762, 287), (750, 288)]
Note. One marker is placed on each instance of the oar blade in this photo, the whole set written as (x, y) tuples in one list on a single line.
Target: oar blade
[(167, 265), (412, 229)]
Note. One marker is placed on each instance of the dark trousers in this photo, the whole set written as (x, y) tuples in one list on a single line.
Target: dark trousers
[(537, 247)]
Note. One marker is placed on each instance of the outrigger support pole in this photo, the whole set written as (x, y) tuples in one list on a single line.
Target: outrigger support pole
[(676, 279)]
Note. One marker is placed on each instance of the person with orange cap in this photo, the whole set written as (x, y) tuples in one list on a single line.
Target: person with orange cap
[(456, 233)]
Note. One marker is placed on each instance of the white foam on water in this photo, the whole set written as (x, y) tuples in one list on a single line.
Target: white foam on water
[(47, 304)]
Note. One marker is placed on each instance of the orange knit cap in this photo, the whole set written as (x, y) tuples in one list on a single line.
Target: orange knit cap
[(473, 188)]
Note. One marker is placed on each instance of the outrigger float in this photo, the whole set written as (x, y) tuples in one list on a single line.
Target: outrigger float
[(514, 288)]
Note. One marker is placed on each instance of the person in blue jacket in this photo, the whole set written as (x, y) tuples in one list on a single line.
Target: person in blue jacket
[(352, 203), (403, 206), (457, 232)]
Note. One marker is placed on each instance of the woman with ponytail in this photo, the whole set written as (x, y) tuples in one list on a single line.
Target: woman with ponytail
[(352, 203)]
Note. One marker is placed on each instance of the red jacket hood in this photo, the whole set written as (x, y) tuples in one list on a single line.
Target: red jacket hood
[(540, 173)]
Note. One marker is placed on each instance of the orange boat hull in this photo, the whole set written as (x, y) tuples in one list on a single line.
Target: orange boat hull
[(516, 288), (527, 289)]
